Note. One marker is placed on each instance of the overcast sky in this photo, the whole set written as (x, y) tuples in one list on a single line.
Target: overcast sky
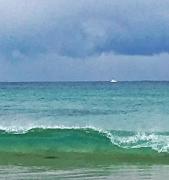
[(70, 40)]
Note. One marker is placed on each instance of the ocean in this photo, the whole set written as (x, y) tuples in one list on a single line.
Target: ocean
[(84, 130)]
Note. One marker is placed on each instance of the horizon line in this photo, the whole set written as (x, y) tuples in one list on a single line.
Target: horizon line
[(71, 81)]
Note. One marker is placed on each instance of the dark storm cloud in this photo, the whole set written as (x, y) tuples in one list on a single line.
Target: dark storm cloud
[(84, 40), (79, 28)]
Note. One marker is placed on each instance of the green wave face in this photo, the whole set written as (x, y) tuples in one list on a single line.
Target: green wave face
[(55, 140), (83, 144)]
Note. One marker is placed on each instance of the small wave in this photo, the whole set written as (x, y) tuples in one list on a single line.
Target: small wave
[(87, 139), (84, 143)]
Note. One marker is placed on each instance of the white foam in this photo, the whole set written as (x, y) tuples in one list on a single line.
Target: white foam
[(156, 142), (22, 129)]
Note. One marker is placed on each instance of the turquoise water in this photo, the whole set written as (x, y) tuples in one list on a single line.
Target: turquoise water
[(140, 106), (72, 125)]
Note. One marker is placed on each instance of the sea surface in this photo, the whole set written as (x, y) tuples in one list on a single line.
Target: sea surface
[(84, 130)]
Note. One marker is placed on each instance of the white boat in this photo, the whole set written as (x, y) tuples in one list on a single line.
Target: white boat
[(113, 81)]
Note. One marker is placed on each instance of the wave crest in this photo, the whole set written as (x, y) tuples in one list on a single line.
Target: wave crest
[(86, 139)]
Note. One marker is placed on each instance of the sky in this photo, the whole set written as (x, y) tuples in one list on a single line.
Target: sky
[(84, 40)]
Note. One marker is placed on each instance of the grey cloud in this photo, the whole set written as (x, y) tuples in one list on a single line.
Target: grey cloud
[(84, 40), (80, 28), (51, 67)]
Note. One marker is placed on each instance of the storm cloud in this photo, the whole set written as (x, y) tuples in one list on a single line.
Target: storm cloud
[(84, 27), (75, 39)]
